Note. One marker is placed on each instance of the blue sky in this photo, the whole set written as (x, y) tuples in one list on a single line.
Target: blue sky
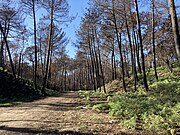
[(77, 7)]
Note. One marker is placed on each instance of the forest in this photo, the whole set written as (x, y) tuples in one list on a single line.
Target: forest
[(127, 61)]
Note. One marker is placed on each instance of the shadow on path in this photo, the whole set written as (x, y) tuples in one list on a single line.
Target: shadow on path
[(43, 132), (51, 122)]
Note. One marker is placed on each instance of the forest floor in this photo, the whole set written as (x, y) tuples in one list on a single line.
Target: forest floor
[(62, 115)]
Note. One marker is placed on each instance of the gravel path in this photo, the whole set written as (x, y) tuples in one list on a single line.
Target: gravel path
[(63, 115)]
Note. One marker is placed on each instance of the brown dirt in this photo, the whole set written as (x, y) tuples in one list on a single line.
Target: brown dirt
[(63, 115)]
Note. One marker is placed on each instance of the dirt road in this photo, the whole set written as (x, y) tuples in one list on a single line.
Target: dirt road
[(63, 115)]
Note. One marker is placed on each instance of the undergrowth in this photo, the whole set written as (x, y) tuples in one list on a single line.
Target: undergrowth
[(157, 110), (16, 89)]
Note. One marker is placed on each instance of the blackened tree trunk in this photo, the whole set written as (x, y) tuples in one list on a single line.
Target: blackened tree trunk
[(102, 72), (115, 72), (49, 48), (112, 63), (96, 62), (141, 47), (22, 65), (92, 62), (19, 64), (90, 76), (100, 63), (65, 79), (1, 51), (120, 48), (153, 42), (135, 70), (137, 50), (35, 45), (74, 80), (136, 56), (131, 49)]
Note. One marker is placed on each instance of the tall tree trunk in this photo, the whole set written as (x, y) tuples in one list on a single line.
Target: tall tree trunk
[(96, 60), (100, 63), (135, 46), (74, 80), (153, 42), (1, 51), (49, 48), (101, 68), (92, 62), (19, 64), (65, 79), (131, 49), (120, 48), (90, 78), (175, 28), (115, 73), (141, 47), (96, 63), (126, 62), (41, 57), (35, 45), (22, 65), (8, 50), (112, 63), (50, 65), (135, 70), (62, 79), (137, 50)]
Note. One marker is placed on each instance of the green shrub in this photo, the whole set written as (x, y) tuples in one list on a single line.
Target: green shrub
[(100, 107), (157, 111), (11, 88), (130, 123)]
